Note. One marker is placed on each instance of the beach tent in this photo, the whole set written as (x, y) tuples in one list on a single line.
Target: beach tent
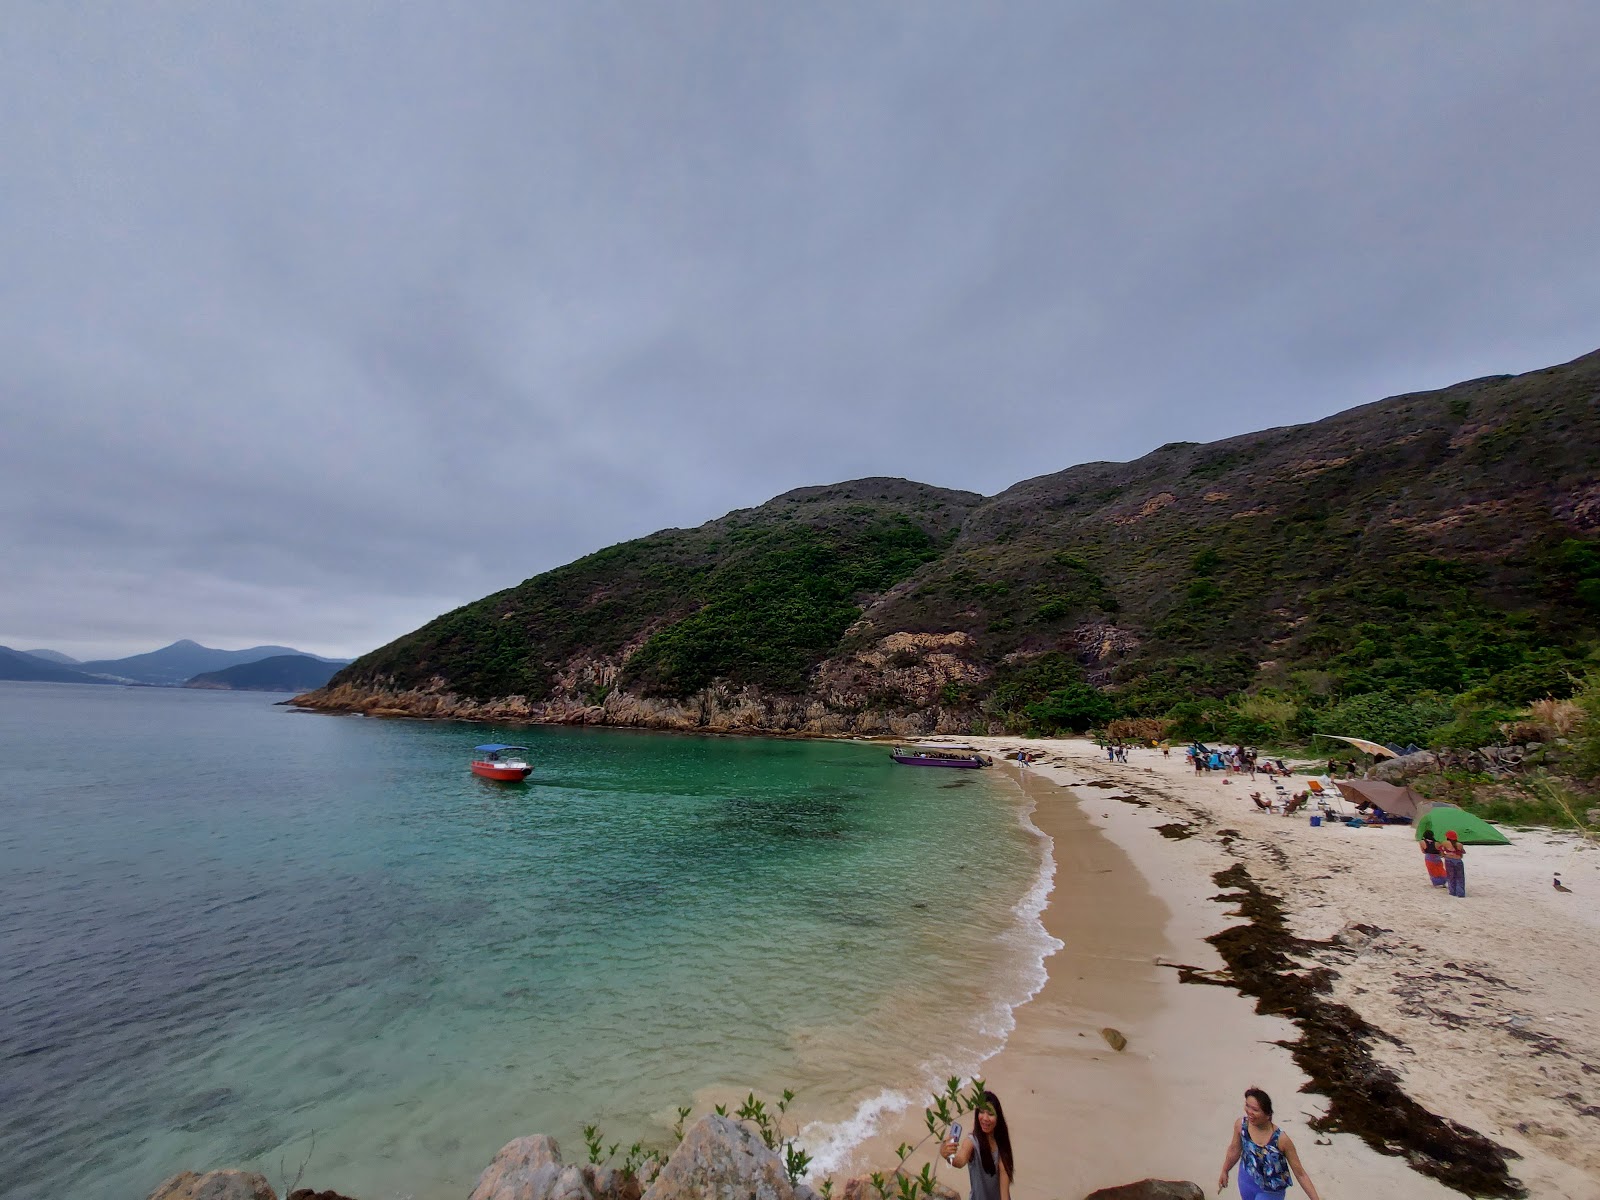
[(1393, 799), (1440, 819), (1376, 749)]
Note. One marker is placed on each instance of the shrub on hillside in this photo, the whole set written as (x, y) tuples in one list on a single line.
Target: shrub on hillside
[(1071, 709), (1384, 717)]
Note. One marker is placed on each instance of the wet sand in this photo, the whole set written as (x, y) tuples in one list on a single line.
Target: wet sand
[(1132, 905)]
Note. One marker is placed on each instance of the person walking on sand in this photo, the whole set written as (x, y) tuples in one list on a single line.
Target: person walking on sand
[(1455, 866), (1268, 1152), (1433, 860), (985, 1152)]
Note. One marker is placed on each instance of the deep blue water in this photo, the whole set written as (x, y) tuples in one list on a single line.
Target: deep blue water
[(226, 927)]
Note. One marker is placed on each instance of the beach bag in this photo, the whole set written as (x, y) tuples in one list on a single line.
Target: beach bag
[(1269, 1169)]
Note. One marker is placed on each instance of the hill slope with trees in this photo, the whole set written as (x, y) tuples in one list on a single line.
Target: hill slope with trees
[(1414, 569)]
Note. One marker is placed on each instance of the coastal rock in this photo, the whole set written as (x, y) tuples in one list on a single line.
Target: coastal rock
[(529, 1168), (215, 1185), (608, 1183), (1114, 1038), (1151, 1189), (309, 1194), (720, 1159), (1407, 766)]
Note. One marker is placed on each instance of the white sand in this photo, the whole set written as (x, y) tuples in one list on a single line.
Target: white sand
[(1494, 999)]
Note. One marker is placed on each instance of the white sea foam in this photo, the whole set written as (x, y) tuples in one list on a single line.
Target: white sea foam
[(830, 1143)]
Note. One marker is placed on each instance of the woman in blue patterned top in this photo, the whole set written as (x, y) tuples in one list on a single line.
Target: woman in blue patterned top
[(1268, 1153)]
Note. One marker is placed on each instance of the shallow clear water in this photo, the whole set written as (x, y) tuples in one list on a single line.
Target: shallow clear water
[(226, 927)]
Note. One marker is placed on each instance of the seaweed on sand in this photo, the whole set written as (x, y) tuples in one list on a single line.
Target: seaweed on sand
[(1365, 1097)]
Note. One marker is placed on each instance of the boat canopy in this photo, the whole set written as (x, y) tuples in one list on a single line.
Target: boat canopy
[(497, 747)]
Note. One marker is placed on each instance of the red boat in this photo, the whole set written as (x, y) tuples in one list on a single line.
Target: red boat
[(502, 762)]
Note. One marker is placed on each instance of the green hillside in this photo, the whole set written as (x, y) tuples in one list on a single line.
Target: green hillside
[(1408, 567), (279, 673)]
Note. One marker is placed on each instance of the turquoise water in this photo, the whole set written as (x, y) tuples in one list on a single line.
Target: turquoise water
[(226, 927)]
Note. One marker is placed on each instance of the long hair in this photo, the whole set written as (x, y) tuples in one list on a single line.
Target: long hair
[(1002, 1139)]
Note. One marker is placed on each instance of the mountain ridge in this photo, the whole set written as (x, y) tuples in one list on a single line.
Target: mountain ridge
[(174, 664), (1439, 541)]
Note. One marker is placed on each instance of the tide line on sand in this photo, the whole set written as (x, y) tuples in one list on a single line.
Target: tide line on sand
[(842, 1145)]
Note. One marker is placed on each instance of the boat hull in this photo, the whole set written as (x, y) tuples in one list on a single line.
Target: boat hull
[(502, 772), (927, 760)]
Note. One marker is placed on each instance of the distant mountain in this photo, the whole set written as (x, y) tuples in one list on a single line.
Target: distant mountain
[(280, 673), (173, 665), (54, 656), (15, 664)]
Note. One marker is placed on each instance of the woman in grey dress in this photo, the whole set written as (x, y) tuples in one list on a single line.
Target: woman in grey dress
[(985, 1152)]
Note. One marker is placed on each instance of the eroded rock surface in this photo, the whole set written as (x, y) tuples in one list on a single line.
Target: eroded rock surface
[(720, 1159), (215, 1185)]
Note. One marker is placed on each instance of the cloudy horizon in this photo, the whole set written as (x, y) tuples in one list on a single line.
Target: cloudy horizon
[(321, 320)]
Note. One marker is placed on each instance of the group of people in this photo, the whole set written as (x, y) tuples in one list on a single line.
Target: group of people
[(1237, 760), (1271, 1164), (1446, 862)]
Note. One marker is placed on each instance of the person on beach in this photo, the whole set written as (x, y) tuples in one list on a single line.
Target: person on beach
[(1433, 860), (1268, 1152), (1455, 866), (985, 1152)]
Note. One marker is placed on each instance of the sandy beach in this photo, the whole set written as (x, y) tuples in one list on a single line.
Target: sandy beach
[(1482, 1008)]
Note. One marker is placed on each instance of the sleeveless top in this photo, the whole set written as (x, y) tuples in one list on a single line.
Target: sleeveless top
[(1269, 1169), (984, 1185)]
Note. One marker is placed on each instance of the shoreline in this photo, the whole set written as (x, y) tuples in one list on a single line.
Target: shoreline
[(1151, 863)]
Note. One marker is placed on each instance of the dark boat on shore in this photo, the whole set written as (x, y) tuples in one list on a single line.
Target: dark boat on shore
[(936, 756)]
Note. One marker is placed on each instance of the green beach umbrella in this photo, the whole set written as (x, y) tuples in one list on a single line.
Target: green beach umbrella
[(1470, 830)]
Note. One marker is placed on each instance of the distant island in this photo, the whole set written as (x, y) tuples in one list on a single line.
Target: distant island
[(280, 673), (26, 667), (170, 666)]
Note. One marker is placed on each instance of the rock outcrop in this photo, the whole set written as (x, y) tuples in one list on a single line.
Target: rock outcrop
[(1151, 1189), (215, 1185), (530, 1168), (1407, 766), (720, 1159)]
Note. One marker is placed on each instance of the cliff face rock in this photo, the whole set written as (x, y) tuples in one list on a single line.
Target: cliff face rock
[(716, 709)]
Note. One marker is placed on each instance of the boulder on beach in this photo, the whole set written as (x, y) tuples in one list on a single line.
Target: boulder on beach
[(530, 1168), (215, 1185), (720, 1159), (1151, 1189), (1407, 766)]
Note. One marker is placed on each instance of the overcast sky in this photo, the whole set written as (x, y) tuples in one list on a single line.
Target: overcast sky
[(317, 320)]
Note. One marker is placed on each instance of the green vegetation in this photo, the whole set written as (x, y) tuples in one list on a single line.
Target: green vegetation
[(777, 605), (1423, 570), (644, 1164)]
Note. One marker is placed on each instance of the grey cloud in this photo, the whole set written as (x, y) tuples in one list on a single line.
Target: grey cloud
[(317, 320)]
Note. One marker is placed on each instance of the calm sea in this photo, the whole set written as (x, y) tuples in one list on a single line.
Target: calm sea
[(227, 928)]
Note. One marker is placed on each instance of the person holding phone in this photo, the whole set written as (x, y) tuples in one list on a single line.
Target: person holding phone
[(985, 1152)]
